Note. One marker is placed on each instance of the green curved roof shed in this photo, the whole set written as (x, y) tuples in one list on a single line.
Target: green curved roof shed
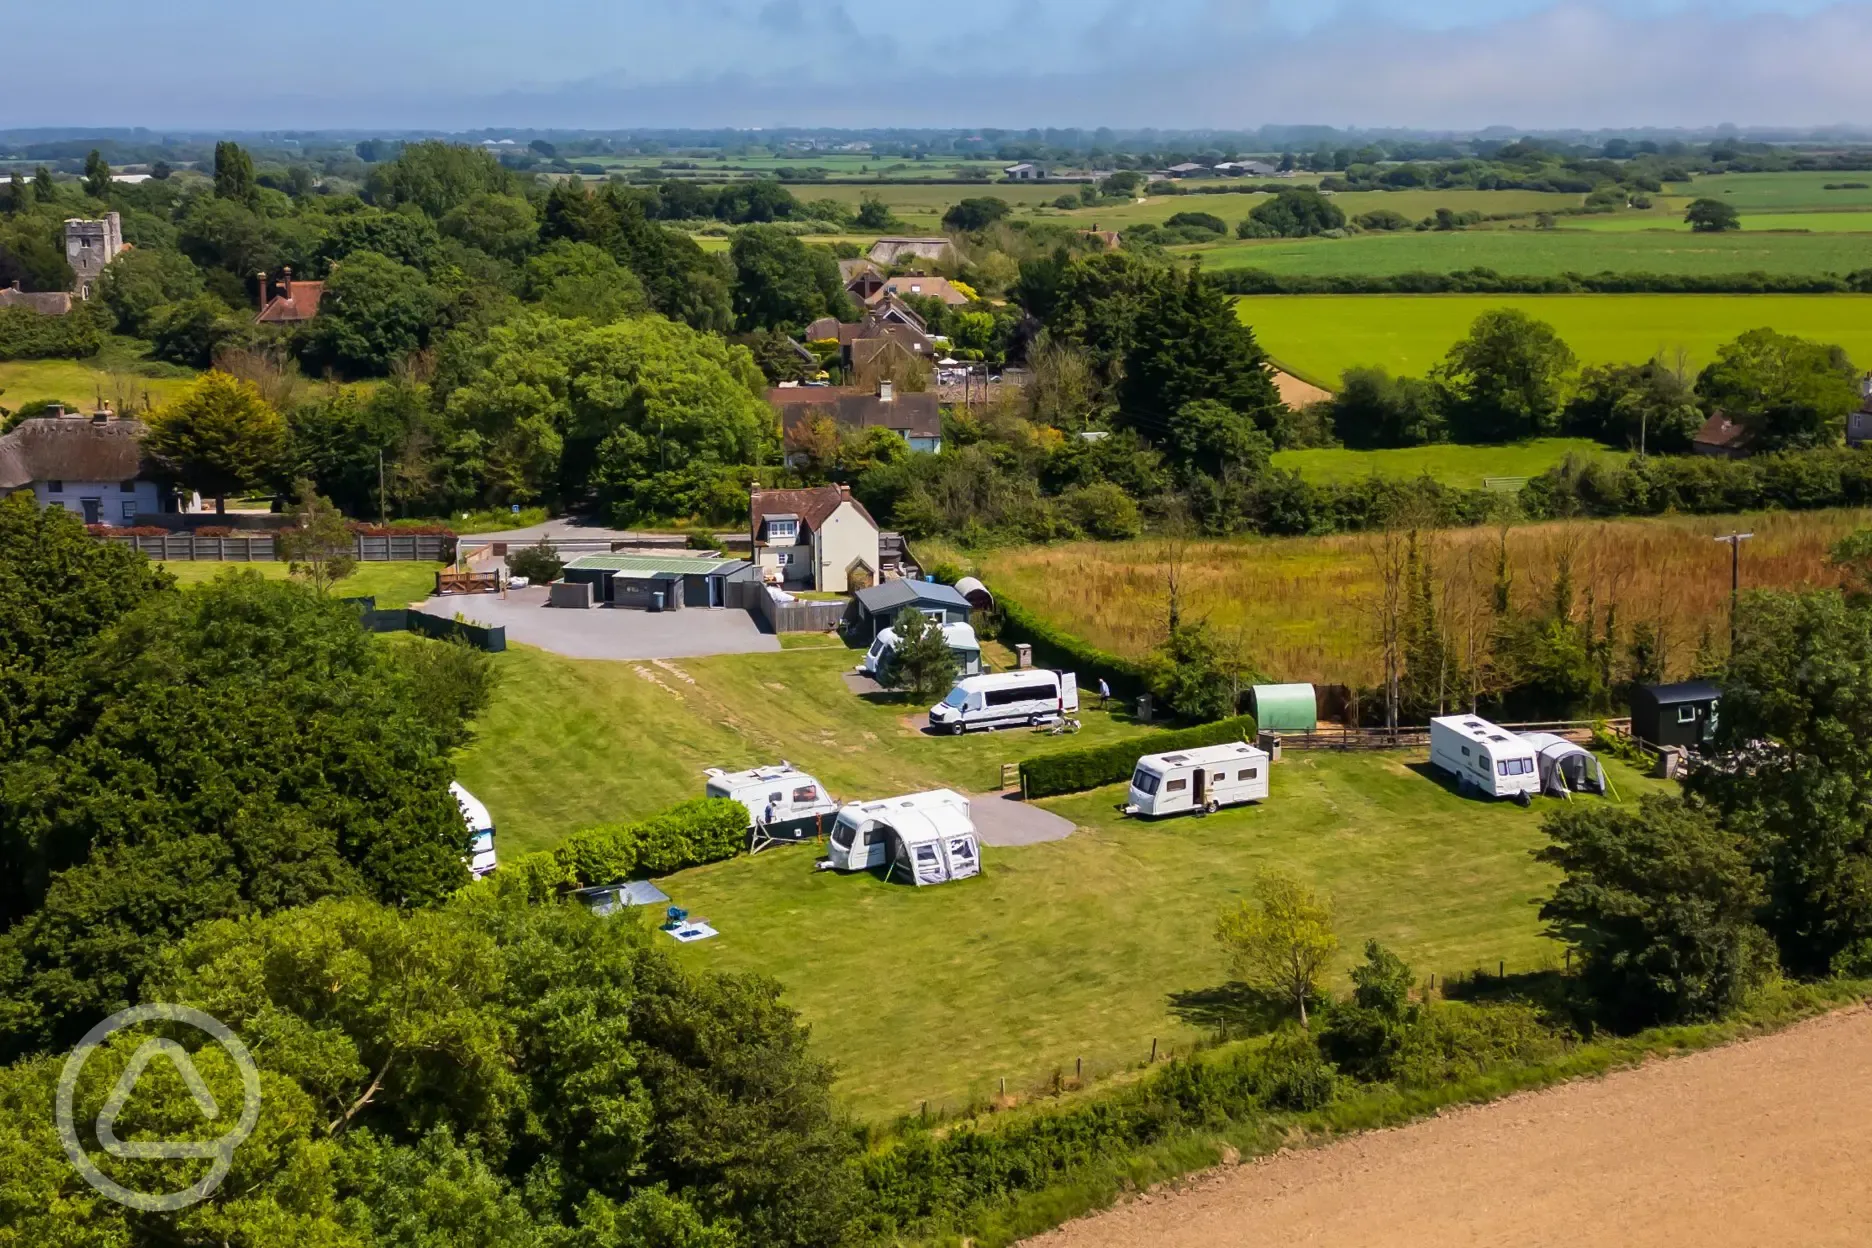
[(1285, 708)]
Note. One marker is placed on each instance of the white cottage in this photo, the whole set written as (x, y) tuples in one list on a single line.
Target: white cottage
[(90, 465)]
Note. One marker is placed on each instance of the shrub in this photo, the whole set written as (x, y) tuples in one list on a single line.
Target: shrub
[(539, 563), (706, 829), (1073, 771), (26, 335)]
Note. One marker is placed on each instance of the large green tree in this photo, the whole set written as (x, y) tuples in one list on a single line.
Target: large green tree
[(218, 436), (1508, 378), (234, 174), (580, 281), (1189, 345), (1791, 393), (1660, 902), (437, 176), (1296, 212), (781, 283), (142, 280), (374, 312), (1712, 216)]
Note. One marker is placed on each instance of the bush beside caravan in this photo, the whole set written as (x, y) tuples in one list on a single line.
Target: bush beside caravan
[(960, 638), (928, 837), (1029, 696), (1204, 779), (1485, 757)]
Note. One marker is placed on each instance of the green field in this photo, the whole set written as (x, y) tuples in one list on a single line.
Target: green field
[(1844, 221), (1544, 253), (1780, 192), (1319, 336), (1087, 947), (392, 584), (81, 382), (1466, 467)]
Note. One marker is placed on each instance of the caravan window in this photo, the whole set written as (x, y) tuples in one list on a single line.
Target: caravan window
[(926, 853), (842, 836), (1465, 751), (806, 794), (1246, 773), (877, 648), (876, 834), (1176, 786), (1514, 767), (1020, 693), (1145, 782)]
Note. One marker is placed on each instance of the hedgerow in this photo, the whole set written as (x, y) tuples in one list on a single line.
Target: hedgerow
[(1073, 771), (702, 830), (1053, 647), (1701, 485), (1488, 281)]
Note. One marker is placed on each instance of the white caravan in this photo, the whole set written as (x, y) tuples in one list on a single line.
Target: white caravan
[(1029, 696), (1484, 757), (959, 637), (929, 837), (480, 830), (1206, 779), (783, 802)]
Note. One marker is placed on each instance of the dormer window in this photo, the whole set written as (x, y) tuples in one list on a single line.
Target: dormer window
[(782, 530)]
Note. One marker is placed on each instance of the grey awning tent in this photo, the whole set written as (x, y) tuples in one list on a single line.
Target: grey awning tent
[(1565, 767)]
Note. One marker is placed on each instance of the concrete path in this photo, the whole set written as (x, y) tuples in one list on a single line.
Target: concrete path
[(605, 633), (1003, 820)]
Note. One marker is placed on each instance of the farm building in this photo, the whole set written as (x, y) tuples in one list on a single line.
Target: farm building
[(1284, 708), (659, 582), (1682, 714), (873, 609), (902, 250), (1722, 438), (45, 303)]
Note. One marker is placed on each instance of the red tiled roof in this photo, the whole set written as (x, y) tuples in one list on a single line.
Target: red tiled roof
[(1720, 431), (299, 303), (813, 506)]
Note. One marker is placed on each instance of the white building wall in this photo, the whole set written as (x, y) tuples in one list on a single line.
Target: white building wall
[(844, 537), (113, 500)]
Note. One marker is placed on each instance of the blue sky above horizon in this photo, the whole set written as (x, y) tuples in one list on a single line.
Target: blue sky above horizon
[(596, 64)]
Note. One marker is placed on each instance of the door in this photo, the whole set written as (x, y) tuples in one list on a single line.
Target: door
[(93, 511), (1200, 793), (715, 591)]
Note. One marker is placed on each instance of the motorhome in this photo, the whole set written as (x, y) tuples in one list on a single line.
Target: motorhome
[(1484, 757), (960, 638), (784, 804), (480, 825), (1206, 778), (926, 838), (1029, 696)]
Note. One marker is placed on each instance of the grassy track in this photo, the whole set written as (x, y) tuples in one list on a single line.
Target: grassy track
[(1319, 336), (1464, 466), (1303, 608), (1545, 253), (1093, 946), (392, 584)]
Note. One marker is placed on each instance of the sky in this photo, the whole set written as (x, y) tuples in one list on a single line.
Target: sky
[(613, 64)]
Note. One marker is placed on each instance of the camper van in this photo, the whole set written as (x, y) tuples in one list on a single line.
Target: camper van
[(927, 837), (783, 802), (1206, 778), (480, 831), (1484, 757), (1030, 696), (960, 638)]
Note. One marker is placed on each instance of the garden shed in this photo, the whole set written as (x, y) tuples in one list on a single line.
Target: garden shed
[(1284, 708), (1683, 714), (635, 580)]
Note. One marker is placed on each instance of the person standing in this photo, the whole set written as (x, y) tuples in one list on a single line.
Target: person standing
[(1104, 693)]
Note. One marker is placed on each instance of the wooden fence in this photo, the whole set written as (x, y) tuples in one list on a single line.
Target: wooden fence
[(261, 548), (795, 617), (1340, 737)]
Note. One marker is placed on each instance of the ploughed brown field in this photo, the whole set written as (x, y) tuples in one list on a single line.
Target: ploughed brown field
[(1764, 1142), (1307, 608)]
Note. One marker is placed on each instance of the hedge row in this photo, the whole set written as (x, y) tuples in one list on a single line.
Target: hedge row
[(1074, 771), (704, 829), (27, 335), (1701, 484), (1055, 648), (1488, 281)]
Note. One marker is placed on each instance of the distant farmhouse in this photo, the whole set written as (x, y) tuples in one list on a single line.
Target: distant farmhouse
[(820, 539), (45, 303), (1722, 438), (1249, 168), (891, 332), (1025, 172)]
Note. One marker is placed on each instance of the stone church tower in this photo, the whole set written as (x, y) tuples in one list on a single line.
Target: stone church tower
[(89, 246)]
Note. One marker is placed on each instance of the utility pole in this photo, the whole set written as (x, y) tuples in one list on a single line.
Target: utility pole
[(383, 514), (1735, 541)]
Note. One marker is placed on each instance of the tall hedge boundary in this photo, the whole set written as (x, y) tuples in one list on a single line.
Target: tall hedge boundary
[(1074, 771), (698, 831), (1481, 281), (1055, 648)]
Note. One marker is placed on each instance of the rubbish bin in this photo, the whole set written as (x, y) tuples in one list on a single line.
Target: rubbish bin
[(656, 600)]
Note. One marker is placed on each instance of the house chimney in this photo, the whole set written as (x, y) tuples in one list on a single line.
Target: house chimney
[(887, 391), (285, 286), (103, 415), (260, 284), (844, 490), (753, 488)]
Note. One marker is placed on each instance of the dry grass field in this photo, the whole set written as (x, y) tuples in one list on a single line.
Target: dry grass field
[(1304, 608)]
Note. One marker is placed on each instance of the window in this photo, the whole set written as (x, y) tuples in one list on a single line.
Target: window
[(1465, 751), (782, 530), (875, 835), (1176, 786), (1247, 773), (805, 794), (1145, 782), (956, 699), (1514, 766), (129, 511), (1021, 693), (842, 835), (1686, 714), (128, 487), (774, 799), (55, 487), (783, 558)]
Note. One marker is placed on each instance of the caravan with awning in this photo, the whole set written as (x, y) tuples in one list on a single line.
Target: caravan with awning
[(1484, 757), (927, 837)]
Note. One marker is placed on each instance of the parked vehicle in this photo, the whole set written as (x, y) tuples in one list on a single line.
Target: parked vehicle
[(1484, 757), (1032, 696), (928, 837), (882, 655), (1206, 778), (480, 824), (783, 802)]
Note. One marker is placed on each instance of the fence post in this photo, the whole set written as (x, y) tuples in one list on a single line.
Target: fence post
[(1078, 1070), (1501, 970), (1153, 1048)]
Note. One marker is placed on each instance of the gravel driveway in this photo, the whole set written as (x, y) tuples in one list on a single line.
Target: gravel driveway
[(605, 633)]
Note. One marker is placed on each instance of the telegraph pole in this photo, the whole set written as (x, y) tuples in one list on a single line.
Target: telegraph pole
[(383, 512), (1735, 541)]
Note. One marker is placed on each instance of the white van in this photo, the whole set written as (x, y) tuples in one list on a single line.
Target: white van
[(960, 638), (1484, 757), (1206, 779), (1029, 696), (480, 830), (783, 802), (929, 837)]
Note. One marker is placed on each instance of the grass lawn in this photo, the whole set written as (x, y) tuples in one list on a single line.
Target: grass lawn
[(1780, 192), (1543, 253), (1092, 946), (1844, 221), (392, 584), (569, 743), (1463, 466), (1319, 336), (80, 382)]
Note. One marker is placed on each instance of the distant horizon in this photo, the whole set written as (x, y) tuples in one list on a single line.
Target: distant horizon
[(424, 66)]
